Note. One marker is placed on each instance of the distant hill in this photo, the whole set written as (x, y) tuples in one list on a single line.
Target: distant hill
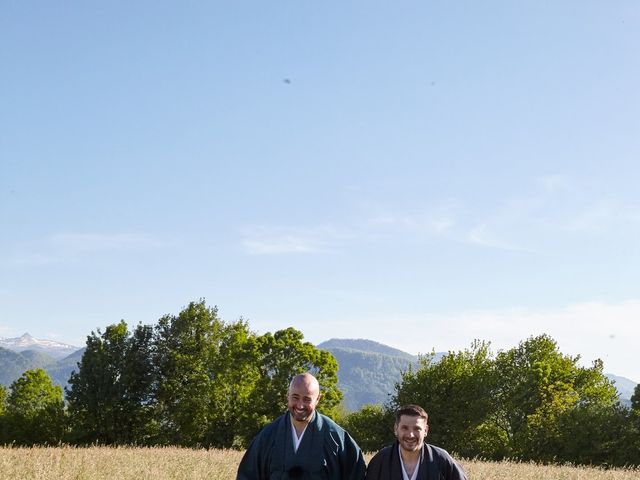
[(14, 364), (60, 371), (368, 370), (368, 346), (624, 386), (26, 342)]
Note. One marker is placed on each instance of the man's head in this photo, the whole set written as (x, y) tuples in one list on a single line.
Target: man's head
[(303, 396), (411, 427)]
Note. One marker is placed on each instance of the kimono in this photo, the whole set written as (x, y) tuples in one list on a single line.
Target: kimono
[(436, 464), (325, 452)]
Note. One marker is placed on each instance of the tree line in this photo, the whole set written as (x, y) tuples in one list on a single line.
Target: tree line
[(197, 381), (191, 380), (528, 403)]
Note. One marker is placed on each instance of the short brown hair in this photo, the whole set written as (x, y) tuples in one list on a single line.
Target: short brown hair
[(411, 411)]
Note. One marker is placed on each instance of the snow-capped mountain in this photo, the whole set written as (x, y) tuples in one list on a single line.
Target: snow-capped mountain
[(27, 342)]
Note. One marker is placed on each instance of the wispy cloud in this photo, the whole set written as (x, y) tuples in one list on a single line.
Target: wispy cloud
[(592, 330), (482, 236), (281, 240), (101, 241), (603, 217), (64, 247), (555, 183), (431, 222)]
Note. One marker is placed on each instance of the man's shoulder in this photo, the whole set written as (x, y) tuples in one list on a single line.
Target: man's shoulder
[(438, 451), (326, 422), (379, 462), (385, 450)]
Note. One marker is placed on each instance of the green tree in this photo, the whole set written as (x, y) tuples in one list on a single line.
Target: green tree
[(538, 385), (371, 427), (3, 402), (595, 434), (234, 375), (635, 400), (3, 399), (111, 396), (283, 355), (187, 345), (457, 394), (34, 410)]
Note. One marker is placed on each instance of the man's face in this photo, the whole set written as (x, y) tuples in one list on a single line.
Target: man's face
[(302, 400), (411, 432)]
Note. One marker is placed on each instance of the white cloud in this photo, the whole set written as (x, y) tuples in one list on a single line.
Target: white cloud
[(278, 240), (482, 236), (65, 247), (100, 241), (436, 223), (555, 183), (608, 331)]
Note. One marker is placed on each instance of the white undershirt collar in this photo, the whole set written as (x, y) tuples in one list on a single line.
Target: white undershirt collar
[(404, 472), (294, 435)]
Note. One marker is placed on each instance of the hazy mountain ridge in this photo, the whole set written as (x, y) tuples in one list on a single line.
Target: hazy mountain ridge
[(14, 364), (364, 345), (368, 370), (26, 342)]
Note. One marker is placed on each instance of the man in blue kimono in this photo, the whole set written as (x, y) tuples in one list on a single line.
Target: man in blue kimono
[(410, 458), (302, 443)]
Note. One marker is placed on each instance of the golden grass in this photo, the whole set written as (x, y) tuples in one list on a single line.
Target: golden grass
[(132, 463)]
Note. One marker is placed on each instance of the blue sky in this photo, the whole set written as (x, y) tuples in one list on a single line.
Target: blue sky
[(416, 173)]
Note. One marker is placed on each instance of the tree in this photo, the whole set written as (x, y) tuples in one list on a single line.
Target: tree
[(635, 400), (3, 427), (538, 385), (186, 347), (234, 375), (111, 396), (594, 434), (457, 394), (34, 410), (371, 427), (219, 383), (530, 402), (3, 399)]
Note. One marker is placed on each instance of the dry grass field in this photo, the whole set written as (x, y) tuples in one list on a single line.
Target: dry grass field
[(66, 463)]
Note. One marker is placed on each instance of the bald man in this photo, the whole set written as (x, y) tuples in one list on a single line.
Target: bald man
[(302, 443)]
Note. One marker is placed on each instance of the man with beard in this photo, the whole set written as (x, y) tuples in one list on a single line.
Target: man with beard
[(409, 458), (302, 443)]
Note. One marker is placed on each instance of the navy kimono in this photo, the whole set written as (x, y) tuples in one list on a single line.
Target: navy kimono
[(436, 464), (325, 452)]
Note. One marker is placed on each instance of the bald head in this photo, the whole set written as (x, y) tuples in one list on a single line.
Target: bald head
[(303, 396), (305, 380)]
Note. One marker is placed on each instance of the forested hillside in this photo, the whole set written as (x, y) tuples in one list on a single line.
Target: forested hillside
[(13, 364), (368, 371)]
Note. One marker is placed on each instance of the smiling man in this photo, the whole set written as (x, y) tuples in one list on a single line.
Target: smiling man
[(410, 458), (302, 443)]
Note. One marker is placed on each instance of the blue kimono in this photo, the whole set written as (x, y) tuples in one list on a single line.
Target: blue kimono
[(325, 452)]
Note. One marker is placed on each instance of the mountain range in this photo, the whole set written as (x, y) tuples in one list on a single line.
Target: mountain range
[(26, 342), (368, 370), (24, 353)]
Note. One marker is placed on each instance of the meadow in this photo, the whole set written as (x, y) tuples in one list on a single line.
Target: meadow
[(132, 463)]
